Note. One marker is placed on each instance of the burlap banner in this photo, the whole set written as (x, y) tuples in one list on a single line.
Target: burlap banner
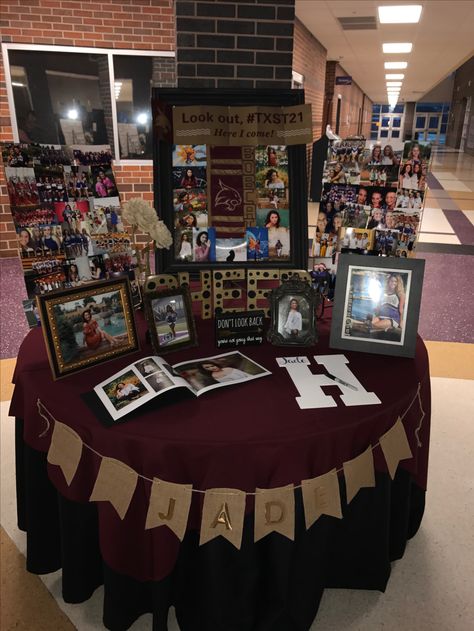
[(65, 450), (224, 509), (116, 484), (223, 514), (169, 506), (238, 126)]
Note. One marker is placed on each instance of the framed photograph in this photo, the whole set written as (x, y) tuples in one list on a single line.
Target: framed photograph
[(88, 325), (228, 187), (293, 314), (170, 319), (377, 304)]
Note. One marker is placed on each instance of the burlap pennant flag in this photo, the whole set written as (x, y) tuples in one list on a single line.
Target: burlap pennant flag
[(395, 447), (169, 506), (223, 514), (116, 484), (321, 497), (65, 450), (275, 512), (359, 473)]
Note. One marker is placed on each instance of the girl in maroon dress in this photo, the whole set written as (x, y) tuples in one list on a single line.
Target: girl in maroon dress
[(93, 334)]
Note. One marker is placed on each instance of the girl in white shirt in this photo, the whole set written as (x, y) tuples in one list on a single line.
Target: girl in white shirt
[(294, 321)]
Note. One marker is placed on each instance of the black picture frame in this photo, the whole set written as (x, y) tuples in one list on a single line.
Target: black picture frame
[(162, 339), (163, 100), (109, 303), (281, 299), (360, 286)]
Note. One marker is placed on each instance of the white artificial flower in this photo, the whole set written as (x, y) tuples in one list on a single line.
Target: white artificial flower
[(161, 235)]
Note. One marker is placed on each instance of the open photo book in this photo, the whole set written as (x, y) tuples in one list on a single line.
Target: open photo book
[(152, 376)]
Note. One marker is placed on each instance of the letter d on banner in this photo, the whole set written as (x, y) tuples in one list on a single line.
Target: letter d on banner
[(275, 512)]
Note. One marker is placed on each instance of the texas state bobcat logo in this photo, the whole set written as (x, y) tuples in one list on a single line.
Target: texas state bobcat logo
[(228, 197)]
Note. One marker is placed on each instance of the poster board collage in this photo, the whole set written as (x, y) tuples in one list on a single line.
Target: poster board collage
[(372, 200), (67, 216), (211, 196)]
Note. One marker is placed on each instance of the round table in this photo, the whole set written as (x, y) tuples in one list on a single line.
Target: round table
[(244, 436)]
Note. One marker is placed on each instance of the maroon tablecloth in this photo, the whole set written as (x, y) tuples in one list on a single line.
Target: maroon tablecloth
[(244, 436)]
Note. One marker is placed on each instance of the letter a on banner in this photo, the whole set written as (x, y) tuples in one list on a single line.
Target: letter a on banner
[(169, 506), (395, 447), (321, 497), (275, 512), (223, 514), (116, 484), (65, 450)]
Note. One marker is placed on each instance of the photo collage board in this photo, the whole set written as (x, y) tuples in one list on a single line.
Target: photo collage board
[(231, 204), (372, 200), (67, 215)]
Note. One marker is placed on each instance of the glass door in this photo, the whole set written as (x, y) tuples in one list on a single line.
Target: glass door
[(431, 127), (391, 127)]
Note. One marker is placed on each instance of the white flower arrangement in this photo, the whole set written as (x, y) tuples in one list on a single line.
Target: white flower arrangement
[(140, 215)]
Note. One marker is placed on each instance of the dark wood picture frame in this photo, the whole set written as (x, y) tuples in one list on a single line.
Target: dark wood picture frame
[(348, 333), (163, 100), (190, 327), (63, 356), (280, 303)]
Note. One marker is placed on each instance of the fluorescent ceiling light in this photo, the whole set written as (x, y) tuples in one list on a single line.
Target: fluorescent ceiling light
[(73, 114), (394, 84), (17, 84), (400, 14), (403, 47), (393, 91), (390, 77), (395, 65)]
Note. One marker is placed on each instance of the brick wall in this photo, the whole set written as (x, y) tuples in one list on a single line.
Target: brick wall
[(309, 59), (356, 107), (135, 24), (234, 44)]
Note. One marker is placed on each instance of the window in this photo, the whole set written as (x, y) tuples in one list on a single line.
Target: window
[(395, 133), (68, 95), (434, 122), (420, 122), (59, 97), (396, 121), (385, 121)]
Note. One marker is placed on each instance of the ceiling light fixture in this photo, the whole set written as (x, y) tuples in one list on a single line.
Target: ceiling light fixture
[(73, 114), (400, 47), (391, 77), (395, 65), (394, 84), (400, 14)]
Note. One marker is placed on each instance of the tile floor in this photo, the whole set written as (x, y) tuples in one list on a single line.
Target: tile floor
[(439, 561)]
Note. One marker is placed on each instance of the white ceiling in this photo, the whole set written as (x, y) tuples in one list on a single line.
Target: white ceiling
[(442, 41)]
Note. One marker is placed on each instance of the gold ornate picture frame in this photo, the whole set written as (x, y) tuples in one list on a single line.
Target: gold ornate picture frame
[(85, 326)]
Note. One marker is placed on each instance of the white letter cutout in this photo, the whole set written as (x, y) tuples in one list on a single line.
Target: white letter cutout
[(309, 385)]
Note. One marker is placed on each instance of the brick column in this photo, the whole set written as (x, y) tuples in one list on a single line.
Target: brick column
[(234, 44), (329, 94)]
